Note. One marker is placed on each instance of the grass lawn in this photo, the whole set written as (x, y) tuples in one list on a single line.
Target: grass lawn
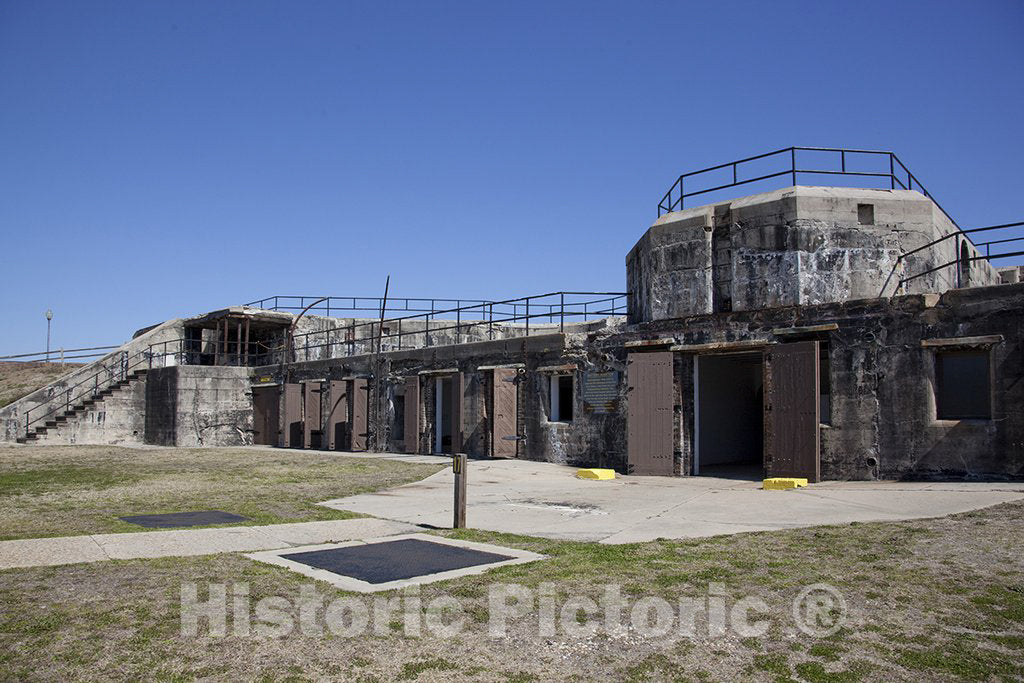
[(928, 600), (21, 379), (71, 490)]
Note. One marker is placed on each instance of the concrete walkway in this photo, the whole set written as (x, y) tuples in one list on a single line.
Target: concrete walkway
[(45, 552), (542, 499)]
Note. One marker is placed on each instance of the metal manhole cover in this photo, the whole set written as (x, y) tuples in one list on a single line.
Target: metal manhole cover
[(182, 519)]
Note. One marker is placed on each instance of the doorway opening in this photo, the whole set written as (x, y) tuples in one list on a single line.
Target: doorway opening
[(729, 415), (443, 415)]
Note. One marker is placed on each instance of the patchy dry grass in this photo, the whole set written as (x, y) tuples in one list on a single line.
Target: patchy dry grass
[(21, 379), (69, 490), (929, 600)]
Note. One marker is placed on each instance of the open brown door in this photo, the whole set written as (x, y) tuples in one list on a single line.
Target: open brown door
[(312, 429), (359, 395), (649, 428), (292, 437), (337, 415), (504, 425), (412, 414), (792, 411), (458, 381), (266, 412)]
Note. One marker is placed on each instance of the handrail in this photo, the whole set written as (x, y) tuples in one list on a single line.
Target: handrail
[(905, 180), (63, 351), (357, 303), (125, 365), (961, 260)]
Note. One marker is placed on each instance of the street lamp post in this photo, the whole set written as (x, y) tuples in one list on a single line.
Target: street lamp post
[(49, 317)]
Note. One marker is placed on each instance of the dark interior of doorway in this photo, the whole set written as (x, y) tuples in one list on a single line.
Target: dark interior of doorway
[(730, 427), (443, 416)]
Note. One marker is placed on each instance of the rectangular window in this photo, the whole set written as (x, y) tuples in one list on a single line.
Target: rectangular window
[(561, 398), (962, 385), (866, 214)]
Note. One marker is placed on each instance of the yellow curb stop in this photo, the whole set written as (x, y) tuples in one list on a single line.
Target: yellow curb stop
[(782, 483), (595, 473)]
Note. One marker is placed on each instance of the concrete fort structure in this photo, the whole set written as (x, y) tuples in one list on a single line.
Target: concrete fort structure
[(814, 331)]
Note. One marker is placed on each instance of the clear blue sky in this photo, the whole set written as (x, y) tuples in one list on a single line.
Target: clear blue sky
[(160, 159)]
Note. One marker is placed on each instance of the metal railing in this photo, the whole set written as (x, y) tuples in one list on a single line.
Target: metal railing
[(338, 305), (61, 354), (897, 175), (118, 369), (963, 259), (483, 321)]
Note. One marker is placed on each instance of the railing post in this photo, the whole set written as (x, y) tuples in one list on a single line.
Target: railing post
[(527, 316), (490, 324), (792, 159), (561, 323), (892, 172), (458, 323), (842, 156)]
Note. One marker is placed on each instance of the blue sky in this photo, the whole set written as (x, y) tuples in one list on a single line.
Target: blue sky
[(167, 158)]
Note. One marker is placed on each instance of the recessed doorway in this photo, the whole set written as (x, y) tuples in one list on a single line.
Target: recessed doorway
[(729, 415)]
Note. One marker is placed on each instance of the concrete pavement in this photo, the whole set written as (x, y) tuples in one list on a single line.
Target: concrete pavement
[(543, 499), (46, 552)]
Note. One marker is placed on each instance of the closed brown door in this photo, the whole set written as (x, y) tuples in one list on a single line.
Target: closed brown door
[(266, 411), (311, 393), (503, 426), (649, 427), (337, 415), (458, 381), (792, 408), (292, 436), (359, 393), (412, 414)]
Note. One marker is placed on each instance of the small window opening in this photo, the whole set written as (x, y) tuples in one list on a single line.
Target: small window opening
[(561, 398), (962, 385), (824, 385), (866, 214), (965, 264)]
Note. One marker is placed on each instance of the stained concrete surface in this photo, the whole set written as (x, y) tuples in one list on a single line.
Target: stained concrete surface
[(45, 552), (545, 499)]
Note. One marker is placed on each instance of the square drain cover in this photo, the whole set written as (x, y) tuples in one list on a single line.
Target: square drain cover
[(393, 562), (181, 519)]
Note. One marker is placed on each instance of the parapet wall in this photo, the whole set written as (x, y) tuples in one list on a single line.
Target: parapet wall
[(793, 247)]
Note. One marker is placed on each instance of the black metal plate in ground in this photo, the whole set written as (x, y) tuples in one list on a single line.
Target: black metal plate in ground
[(181, 519), (394, 560)]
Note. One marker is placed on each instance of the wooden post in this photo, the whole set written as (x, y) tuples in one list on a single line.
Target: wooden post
[(459, 468)]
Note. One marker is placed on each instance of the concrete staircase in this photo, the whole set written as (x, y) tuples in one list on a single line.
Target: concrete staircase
[(76, 412)]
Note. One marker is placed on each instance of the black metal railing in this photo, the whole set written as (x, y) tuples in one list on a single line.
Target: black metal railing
[(896, 176), (964, 256), (483, 321), (117, 368), (337, 306)]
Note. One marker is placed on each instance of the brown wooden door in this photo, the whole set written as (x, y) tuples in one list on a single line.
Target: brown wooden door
[(791, 404), (649, 426), (312, 416), (359, 395), (412, 414), (292, 436), (337, 415), (266, 413), (458, 382), (506, 413)]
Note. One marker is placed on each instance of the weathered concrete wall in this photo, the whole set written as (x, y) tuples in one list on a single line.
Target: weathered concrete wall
[(193, 405), (82, 380), (796, 246), (118, 419), (882, 379)]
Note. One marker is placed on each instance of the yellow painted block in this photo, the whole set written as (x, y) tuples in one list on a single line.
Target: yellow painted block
[(782, 483), (595, 473)]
